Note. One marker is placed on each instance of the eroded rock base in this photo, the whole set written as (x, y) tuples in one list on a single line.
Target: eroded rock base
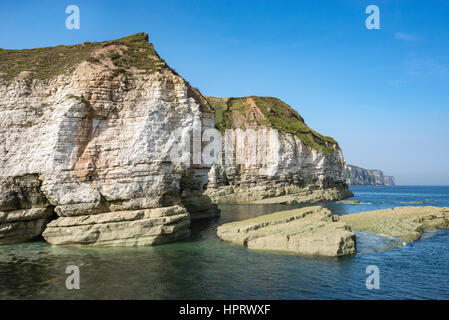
[(24, 209), (199, 206), (268, 195)]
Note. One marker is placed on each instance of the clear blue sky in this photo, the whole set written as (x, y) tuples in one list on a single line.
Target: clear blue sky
[(382, 94)]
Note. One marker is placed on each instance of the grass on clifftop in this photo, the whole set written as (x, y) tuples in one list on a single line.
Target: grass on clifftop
[(247, 112), (45, 63)]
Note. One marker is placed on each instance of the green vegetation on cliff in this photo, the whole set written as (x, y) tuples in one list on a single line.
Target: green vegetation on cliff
[(44, 63), (251, 112)]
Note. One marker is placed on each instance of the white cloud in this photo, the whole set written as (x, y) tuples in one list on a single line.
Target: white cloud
[(398, 82), (404, 36), (418, 67)]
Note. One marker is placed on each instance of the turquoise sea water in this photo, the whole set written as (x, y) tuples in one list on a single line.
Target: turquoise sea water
[(206, 268)]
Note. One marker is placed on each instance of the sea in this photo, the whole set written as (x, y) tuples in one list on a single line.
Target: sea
[(204, 267)]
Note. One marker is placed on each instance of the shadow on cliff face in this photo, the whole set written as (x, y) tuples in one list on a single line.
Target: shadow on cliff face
[(197, 204)]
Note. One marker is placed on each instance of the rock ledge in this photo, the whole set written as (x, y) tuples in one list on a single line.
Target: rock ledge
[(407, 223), (310, 231)]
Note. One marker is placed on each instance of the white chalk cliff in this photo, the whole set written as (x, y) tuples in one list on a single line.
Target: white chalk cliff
[(92, 144), (366, 177), (301, 165)]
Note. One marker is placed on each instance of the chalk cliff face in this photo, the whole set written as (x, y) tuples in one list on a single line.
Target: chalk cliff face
[(91, 144), (389, 181), (365, 177), (300, 164)]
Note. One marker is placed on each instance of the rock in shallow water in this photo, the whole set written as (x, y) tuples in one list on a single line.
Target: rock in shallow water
[(407, 223), (349, 201), (311, 231), (121, 228)]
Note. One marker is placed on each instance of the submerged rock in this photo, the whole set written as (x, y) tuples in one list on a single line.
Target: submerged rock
[(407, 223), (349, 201), (310, 231)]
